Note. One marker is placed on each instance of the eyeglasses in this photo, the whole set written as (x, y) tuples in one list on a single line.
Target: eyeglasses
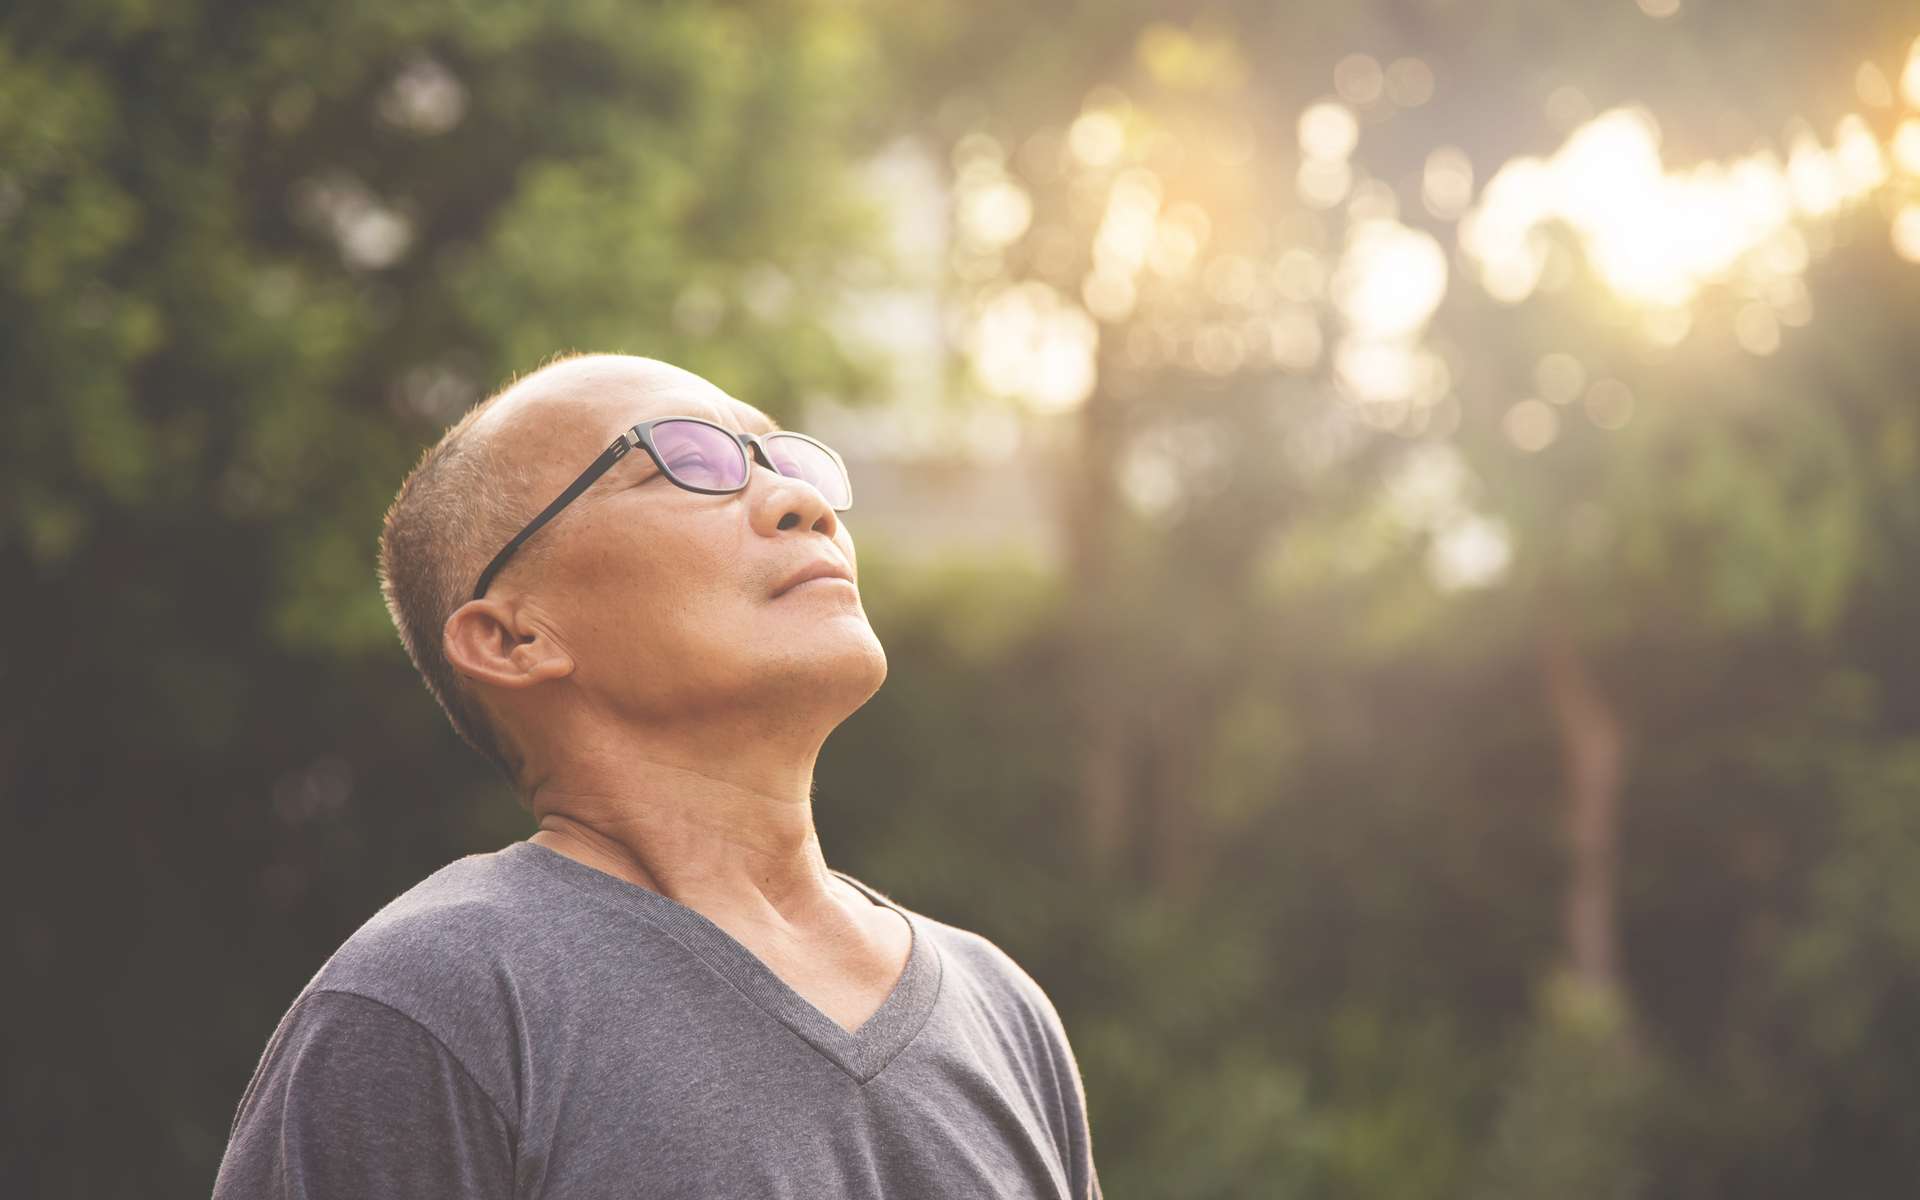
[(699, 456)]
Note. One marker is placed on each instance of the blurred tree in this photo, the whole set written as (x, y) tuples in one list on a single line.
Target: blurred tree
[(1684, 499), (1571, 1125), (252, 258)]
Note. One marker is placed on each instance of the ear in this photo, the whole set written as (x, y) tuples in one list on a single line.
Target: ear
[(492, 642)]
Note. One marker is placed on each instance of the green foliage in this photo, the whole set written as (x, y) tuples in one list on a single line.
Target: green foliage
[(252, 258), (1571, 1123)]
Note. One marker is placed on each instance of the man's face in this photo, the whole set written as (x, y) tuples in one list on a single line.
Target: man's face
[(665, 598)]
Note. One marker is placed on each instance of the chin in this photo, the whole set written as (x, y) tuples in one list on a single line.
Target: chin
[(863, 659), (840, 659), (877, 669)]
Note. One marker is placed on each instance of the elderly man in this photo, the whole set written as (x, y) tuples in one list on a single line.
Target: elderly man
[(665, 990)]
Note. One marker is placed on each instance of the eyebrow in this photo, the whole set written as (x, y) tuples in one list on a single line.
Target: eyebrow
[(761, 423)]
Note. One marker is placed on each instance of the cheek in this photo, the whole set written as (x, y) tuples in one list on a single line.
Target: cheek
[(682, 592), (615, 592)]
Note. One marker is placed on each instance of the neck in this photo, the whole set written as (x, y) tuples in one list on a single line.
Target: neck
[(728, 834)]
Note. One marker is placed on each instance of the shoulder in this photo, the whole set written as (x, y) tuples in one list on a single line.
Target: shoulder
[(452, 930), (457, 959), (344, 1043), (353, 1097), (978, 963), (1013, 1012), (988, 969), (977, 952)]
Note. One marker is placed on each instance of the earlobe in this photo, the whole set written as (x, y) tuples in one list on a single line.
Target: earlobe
[(491, 642)]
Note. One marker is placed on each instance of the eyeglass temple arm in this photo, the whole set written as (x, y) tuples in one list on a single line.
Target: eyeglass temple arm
[(600, 466)]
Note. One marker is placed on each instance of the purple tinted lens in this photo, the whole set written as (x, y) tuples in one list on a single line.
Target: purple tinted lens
[(802, 459), (700, 455)]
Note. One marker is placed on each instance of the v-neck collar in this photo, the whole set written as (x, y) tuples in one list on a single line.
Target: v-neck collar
[(861, 1054)]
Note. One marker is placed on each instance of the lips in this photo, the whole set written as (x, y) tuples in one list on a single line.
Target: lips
[(818, 569)]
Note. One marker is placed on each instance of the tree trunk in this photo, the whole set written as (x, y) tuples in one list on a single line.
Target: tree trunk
[(1593, 752), (1176, 854), (1105, 786)]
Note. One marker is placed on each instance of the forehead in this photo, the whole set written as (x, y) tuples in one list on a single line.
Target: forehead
[(709, 402), (582, 404), (609, 396)]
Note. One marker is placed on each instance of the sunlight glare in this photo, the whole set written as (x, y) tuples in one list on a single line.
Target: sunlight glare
[(1656, 236), (1110, 297), (1329, 131), (1126, 231), (1390, 279), (1857, 153), (1446, 185), (1503, 233), (1030, 343), (1531, 425), (1178, 240), (993, 209), (1471, 552), (1906, 146), (1870, 84), (1323, 183), (1376, 372), (1097, 138), (1906, 232)]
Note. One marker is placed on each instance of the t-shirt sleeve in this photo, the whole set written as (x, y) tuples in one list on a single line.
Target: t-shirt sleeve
[(1062, 1095), (1078, 1151), (354, 1098)]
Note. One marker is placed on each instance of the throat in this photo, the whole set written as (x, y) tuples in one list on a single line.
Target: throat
[(848, 985)]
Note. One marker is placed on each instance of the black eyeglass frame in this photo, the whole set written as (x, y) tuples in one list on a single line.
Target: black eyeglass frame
[(641, 437)]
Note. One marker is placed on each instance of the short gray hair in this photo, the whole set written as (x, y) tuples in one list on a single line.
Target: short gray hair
[(454, 511)]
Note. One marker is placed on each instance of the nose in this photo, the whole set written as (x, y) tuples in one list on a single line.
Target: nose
[(781, 502)]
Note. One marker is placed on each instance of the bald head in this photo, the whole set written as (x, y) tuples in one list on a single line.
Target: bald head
[(496, 467), (606, 386), (547, 425)]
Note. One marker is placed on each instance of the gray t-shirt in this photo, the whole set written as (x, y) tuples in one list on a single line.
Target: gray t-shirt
[(519, 1024)]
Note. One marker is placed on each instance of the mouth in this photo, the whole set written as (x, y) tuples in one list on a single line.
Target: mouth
[(819, 581), (823, 571)]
